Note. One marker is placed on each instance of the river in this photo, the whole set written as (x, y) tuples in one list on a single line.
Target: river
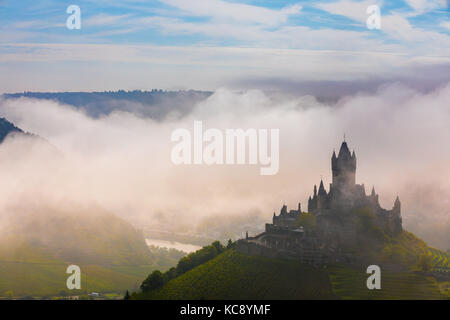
[(186, 247)]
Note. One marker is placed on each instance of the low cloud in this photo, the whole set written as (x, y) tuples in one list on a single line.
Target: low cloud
[(121, 162)]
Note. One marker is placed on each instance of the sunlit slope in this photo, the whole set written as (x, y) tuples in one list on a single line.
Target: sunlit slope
[(440, 260), (40, 280), (30, 271), (232, 275), (35, 254)]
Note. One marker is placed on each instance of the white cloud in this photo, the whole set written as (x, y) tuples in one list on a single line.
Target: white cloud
[(105, 20), (242, 13), (355, 10), (422, 6), (105, 67), (396, 26)]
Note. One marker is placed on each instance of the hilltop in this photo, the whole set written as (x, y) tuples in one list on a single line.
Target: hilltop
[(7, 128)]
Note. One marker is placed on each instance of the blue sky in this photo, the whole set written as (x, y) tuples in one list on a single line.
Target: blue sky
[(210, 42)]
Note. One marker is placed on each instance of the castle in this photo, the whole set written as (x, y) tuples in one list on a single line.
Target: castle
[(336, 222)]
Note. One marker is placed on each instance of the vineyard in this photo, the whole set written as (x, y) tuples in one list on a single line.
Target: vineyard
[(236, 276), (350, 284), (440, 260)]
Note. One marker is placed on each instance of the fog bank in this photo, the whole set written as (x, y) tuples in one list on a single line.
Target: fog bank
[(121, 162)]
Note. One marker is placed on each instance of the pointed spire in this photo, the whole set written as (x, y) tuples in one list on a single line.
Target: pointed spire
[(344, 151), (315, 191), (373, 192), (322, 188), (334, 154), (397, 202), (353, 154)]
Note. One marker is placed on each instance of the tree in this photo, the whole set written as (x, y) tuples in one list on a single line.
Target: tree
[(307, 221), (230, 244), (170, 274), (154, 281), (424, 263), (127, 296), (219, 247), (196, 258)]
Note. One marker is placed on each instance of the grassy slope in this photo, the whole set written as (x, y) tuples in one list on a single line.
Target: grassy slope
[(112, 255), (351, 284), (50, 279), (236, 276), (31, 271)]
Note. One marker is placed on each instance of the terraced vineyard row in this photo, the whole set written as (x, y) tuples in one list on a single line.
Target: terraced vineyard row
[(351, 284), (235, 276), (440, 260)]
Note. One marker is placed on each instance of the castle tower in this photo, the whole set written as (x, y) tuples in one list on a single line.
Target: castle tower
[(397, 216), (344, 168), (397, 206)]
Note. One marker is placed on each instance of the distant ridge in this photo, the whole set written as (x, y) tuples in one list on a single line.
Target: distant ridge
[(155, 104)]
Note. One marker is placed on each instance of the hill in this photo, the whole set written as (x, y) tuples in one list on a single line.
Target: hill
[(232, 275), (112, 255), (7, 127), (350, 284)]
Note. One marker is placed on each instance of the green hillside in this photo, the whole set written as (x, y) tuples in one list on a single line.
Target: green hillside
[(351, 284), (233, 275), (112, 255), (46, 280), (440, 260), (32, 272)]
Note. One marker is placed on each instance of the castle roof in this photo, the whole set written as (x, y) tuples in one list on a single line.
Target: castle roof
[(344, 151)]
